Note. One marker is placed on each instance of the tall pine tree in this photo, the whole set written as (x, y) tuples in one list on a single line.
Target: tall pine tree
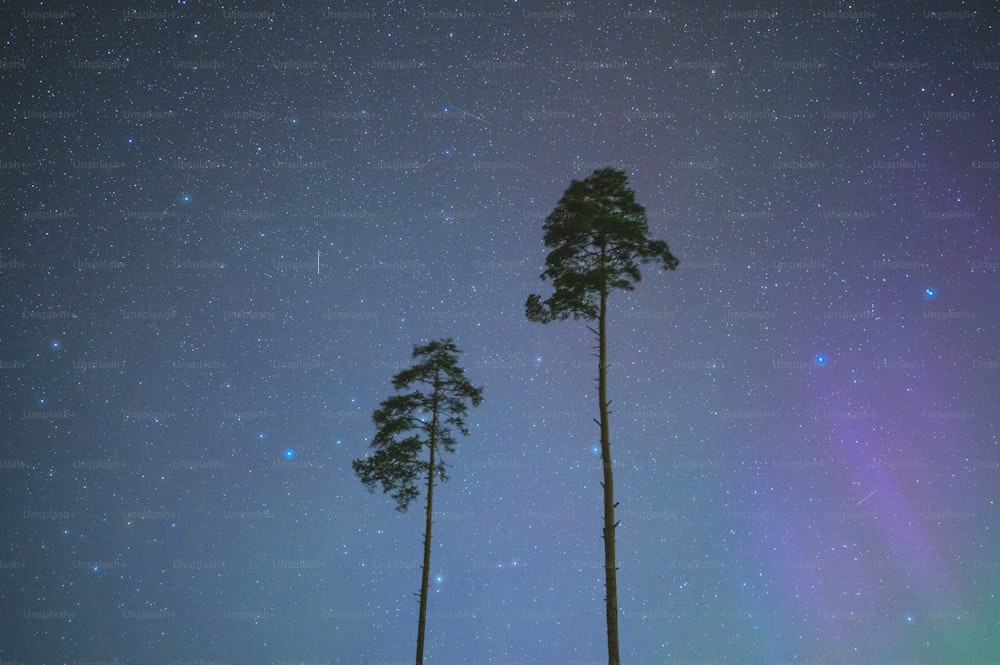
[(597, 233), (411, 423)]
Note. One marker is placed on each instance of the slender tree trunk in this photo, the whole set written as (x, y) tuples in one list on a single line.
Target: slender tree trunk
[(425, 574), (610, 567)]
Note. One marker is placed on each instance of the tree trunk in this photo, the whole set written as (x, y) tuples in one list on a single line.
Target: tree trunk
[(610, 568), (425, 575)]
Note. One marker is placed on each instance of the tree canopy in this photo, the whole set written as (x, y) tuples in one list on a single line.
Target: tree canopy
[(597, 233), (411, 421)]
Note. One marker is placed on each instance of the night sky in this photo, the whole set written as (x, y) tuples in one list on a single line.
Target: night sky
[(224, 230)]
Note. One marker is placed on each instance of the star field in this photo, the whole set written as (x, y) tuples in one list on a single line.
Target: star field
[(226, 228)]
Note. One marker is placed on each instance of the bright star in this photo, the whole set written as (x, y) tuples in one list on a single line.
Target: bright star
[(820, 359), (289, 453), (930, 292)]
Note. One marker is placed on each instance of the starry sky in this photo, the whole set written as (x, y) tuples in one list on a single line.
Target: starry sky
[(225, 228)]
